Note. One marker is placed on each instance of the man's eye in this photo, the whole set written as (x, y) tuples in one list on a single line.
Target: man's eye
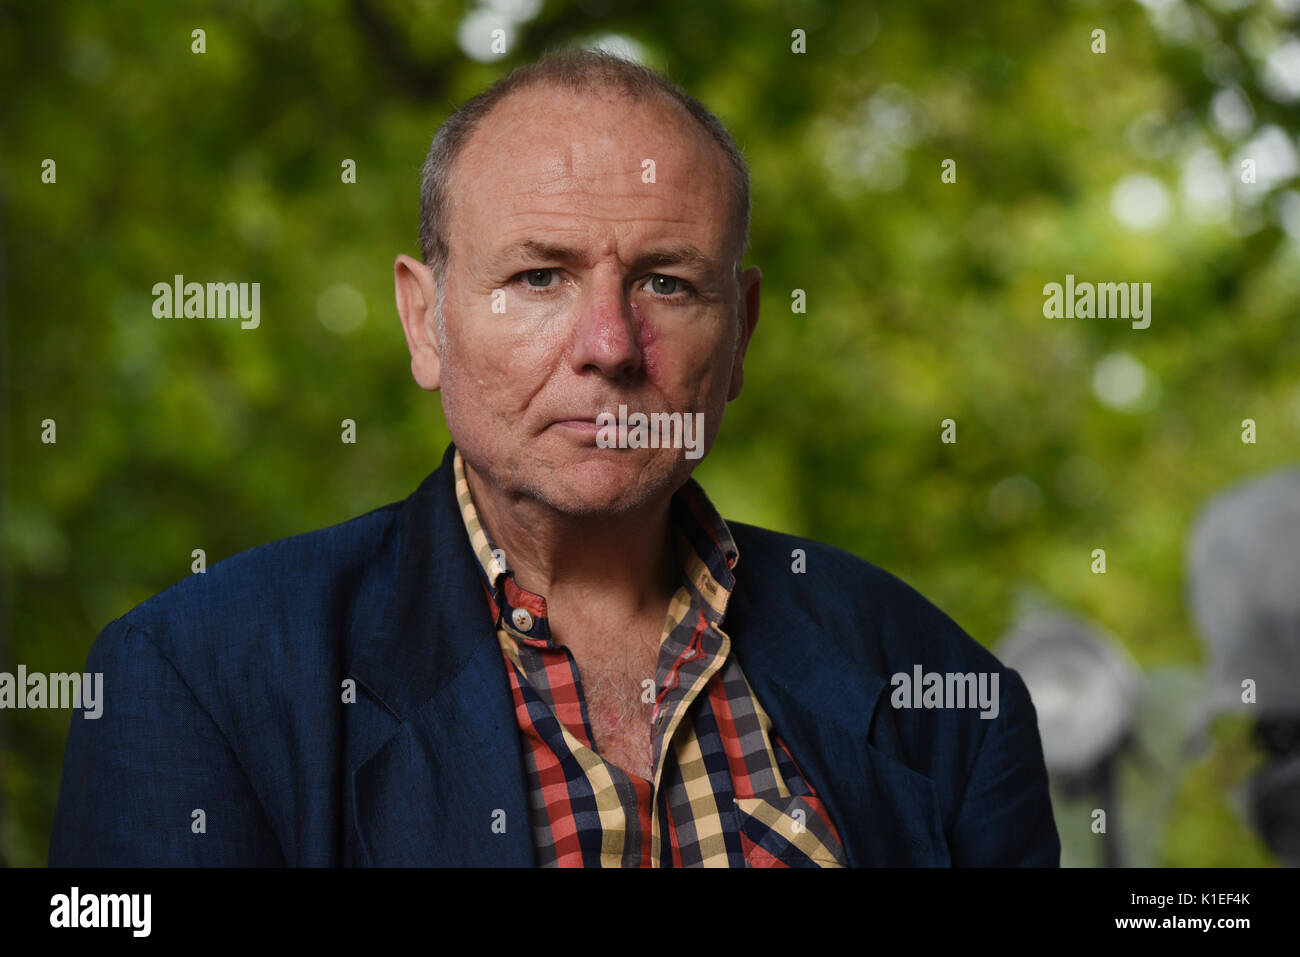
[(665, 285), (544, 275)]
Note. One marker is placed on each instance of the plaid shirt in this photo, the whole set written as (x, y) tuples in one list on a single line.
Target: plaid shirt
[(726, 790)]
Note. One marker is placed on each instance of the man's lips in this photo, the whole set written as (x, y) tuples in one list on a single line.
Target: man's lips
[(584, 426)]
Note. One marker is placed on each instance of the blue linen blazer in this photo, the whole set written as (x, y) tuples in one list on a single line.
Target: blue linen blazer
[(226, 693)]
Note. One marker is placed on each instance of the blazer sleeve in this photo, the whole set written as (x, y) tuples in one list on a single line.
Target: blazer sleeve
[(1005, 817), (134, 777)]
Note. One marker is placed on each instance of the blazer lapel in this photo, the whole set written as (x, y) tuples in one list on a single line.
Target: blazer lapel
[(446, 786), (822, 702)]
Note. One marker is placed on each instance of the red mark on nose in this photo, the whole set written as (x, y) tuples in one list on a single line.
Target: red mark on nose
[(646, 334)]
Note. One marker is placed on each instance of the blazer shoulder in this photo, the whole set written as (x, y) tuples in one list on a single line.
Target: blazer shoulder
[(891, 622), (314, 582), (882, 625)]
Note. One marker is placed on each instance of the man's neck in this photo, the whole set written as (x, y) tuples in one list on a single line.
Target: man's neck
[(589, 568)]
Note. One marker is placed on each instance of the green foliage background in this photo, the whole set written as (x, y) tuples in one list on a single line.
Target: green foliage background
[(924, 303)]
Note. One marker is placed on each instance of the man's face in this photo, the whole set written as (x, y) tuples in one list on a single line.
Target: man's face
[(609, 291)]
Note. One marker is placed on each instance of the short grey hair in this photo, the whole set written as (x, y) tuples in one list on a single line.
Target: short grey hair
[(579, 70)]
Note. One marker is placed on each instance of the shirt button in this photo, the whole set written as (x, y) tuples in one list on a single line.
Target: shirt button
[(523, 621)]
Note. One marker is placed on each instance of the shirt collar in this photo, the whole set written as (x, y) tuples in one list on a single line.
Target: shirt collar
[(706, 549)]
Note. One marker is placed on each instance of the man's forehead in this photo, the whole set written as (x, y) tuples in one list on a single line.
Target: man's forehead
[(548, 151), (591, 123)]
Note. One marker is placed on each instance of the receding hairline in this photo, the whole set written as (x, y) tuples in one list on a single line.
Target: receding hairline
[(579, 72), (479, 132)]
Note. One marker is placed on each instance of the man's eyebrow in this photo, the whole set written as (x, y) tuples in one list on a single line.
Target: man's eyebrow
[(681, 254), (537, 249), (677, 254)]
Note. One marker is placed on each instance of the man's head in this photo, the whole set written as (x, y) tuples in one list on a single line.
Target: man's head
[(583, 224)]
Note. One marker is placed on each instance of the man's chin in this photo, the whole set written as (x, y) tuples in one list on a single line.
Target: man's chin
[(612, 482)]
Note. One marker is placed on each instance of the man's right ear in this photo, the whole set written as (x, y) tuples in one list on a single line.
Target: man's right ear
[(417, 301)]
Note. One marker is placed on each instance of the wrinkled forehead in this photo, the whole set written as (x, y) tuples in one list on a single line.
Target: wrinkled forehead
[(549, 156)]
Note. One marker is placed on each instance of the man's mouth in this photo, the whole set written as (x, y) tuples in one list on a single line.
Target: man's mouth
[(582, 426)]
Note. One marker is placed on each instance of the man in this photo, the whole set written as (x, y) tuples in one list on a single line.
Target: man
[(555, 652)]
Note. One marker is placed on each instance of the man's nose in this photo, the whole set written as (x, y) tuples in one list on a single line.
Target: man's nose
[(607, 337)]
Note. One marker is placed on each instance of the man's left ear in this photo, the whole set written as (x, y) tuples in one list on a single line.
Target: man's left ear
[(416, 294), (750, 286)]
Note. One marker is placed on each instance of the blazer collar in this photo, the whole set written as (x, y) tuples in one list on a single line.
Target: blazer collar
[(822, 701), (436, 619), (446, 785)]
